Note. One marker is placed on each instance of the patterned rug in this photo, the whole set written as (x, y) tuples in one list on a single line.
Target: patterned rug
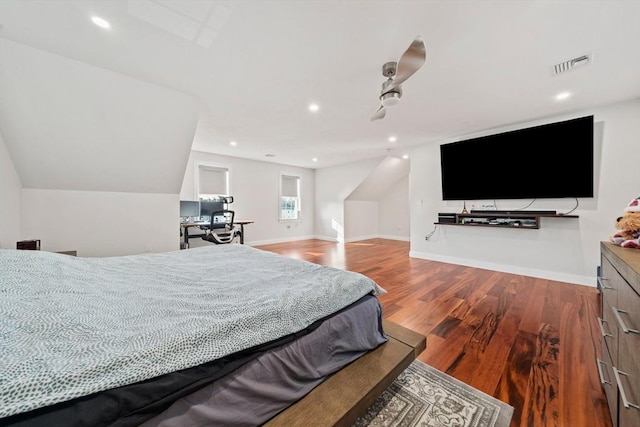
[(425, 397)]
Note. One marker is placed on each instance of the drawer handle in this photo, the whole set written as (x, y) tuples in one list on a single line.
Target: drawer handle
[(623, 395), (602, 322), (602, 285), (600, 373), (616, 312)]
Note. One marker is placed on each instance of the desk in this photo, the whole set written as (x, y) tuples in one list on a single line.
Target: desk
[(187, 225), (242, 223)]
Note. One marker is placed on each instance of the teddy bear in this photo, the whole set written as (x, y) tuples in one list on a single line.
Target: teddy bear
[(629, 226)]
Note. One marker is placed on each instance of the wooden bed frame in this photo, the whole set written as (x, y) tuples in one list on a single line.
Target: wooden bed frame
[(347, 394)]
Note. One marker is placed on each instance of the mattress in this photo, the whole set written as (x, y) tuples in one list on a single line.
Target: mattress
[(72, 328)]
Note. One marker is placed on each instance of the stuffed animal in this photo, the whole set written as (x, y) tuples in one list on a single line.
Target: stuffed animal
[(629, 226)]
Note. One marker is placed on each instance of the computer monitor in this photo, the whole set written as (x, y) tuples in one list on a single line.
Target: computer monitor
[(206, 207), (189, 208)]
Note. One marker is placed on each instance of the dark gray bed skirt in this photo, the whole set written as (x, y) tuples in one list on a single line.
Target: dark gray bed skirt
[(246, 389)]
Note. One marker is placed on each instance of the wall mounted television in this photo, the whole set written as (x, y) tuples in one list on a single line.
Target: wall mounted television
[(543, 162)]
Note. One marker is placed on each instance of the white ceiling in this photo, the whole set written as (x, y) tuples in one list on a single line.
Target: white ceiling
[(256, 65)]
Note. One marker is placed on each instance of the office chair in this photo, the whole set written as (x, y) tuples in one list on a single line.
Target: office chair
[(222, 230)]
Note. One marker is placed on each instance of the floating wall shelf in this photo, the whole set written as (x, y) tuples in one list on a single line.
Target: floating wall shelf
[(501, 219)]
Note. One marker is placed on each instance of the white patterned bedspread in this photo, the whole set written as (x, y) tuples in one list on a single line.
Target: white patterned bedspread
[(72, 326)]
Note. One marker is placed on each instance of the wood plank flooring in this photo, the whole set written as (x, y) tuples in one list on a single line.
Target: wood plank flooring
[(529, 342)]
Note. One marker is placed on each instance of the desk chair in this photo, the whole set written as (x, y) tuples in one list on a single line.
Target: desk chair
[(222, 230)]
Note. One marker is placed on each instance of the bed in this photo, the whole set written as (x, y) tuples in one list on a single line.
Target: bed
[(219, 335)]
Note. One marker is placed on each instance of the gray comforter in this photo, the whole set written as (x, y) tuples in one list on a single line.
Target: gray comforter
[(71, 326)]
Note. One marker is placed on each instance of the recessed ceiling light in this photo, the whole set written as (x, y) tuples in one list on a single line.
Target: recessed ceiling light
[(392, 139), (100, 22), (562, 96), (314, 107), (405, 156), (315, 159), (233, 143)]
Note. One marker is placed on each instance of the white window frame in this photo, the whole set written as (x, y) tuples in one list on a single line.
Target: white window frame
[(298, 200), (211, 165)]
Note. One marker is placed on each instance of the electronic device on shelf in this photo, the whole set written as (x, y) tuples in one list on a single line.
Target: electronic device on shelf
[(513, 212), (447, 217), (495, 218)]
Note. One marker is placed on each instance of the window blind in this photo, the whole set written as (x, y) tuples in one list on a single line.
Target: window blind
[(213, 180), (290, 186)]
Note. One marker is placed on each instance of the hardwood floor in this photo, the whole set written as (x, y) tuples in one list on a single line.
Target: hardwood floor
[(529, 342)]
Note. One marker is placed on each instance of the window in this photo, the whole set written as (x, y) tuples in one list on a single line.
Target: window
[(289, 196), (212, 182)]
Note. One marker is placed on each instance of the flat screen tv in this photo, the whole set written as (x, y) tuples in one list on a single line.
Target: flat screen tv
[(543, 162)]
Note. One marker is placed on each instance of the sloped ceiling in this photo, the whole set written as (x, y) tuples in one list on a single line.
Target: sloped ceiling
[(257, 64), (386, 175), (73, 126)]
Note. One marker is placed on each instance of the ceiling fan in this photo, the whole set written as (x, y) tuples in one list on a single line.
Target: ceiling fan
[(397, 72)]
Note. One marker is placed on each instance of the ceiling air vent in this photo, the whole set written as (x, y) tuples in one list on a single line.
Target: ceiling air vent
[(565, 66)]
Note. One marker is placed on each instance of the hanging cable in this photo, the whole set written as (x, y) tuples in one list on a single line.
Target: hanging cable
[(574, 208), (519, 209), (428, 236)]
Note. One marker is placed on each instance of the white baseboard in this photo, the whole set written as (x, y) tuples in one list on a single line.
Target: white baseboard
[(401, 238), (325, 238), (274, 241), (357, 239), (377, 236), (543, 274)]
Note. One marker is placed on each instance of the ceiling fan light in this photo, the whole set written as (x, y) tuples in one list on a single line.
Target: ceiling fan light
[(390, 99)]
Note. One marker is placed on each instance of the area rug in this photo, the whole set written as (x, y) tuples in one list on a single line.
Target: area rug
[(425, 397)]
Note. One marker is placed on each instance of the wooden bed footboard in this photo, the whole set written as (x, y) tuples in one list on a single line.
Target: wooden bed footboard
[(346, 395)]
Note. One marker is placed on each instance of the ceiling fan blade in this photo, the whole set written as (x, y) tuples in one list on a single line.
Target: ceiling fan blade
[(410, 61), (380, 112)]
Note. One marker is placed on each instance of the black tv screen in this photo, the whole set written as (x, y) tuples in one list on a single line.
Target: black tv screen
[(542, 162)]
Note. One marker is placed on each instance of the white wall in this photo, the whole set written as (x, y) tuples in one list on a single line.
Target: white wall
[(98, 223), (100, 155), (10, 200), (562, 249), (360, 220), (333, 186), (393, 212), (255, 186), (387, 217), (74, 126)]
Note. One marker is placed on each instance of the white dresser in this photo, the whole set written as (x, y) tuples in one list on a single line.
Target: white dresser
[(619, 369)]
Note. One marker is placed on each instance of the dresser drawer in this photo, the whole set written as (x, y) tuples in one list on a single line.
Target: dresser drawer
[(627, 379), (619, 282), (611, 283), (628, 317), (608, 381), (626, 261), (627, 313)]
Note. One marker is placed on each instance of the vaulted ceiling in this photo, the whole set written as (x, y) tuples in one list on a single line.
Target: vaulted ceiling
[(168, 76)]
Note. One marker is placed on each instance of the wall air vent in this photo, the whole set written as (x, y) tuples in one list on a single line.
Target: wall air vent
[(565, 66)]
